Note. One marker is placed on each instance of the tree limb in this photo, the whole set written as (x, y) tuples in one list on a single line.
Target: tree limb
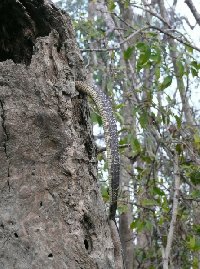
[(192, 8), (167, 250)]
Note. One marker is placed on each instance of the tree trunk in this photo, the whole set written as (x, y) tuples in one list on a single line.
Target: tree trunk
[(51, 211)]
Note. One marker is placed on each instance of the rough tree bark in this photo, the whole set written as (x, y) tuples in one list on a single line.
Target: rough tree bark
[(51, 211)]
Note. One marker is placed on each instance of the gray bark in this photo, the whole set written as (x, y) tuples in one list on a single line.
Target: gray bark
[(194, 11), (51, 211), (125, 219)]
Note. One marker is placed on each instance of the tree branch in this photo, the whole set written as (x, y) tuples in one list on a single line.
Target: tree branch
[(102, 149), (191, 6), (152, 13), (167, 250), (139, 31), (134, 34), (175, 37)]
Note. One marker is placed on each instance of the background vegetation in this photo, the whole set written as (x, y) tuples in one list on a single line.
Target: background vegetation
[(142, 55)]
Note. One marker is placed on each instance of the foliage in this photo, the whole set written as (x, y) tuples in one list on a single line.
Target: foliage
[(149, 76)]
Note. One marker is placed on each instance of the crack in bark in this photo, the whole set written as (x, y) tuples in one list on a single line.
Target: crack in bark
[(6, 138)]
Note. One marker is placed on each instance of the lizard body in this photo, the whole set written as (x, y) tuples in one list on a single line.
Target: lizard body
[(110, 132)]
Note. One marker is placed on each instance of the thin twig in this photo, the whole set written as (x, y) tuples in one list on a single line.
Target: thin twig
[(167, 250), (100, 50), (139, 31), (134, 34), (100, 150), (175, 37), (152, 13)]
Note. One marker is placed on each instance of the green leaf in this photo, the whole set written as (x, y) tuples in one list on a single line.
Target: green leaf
[(196, 138), (134, 224), (119, 117), (179, 148), (119, 106), (141, 45), (195, 263), (123, 141), (195, 176), (146, 159), (165, 204), (166, 83), (189, 49), (112, 56), (158, 191), (104, 193), (197, 141), (127, 3), (193, 243), (144, 56), (161, 220), (148, 202), (148, 225), (195, 194), (111, 5), (128, 53), (143, 119), (178, 121), (135, 144), (155, 55), (109, 85), (152, 34), (138, 225), (122, 209), (96, 118), (194, 72), (157, 73), (197, 229), (180, 68), (194, 68), (194, 64)]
